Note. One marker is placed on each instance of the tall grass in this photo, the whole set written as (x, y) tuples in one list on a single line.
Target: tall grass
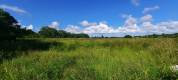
[(96, 59)]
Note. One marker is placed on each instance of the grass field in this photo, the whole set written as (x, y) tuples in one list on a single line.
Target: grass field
[(90, 59)]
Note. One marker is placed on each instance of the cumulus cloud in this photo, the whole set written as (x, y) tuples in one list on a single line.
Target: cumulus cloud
[(130, 22), (131, 26), (54, 25), (28, 27), (135, 2), (72, 29), (85, 23), (167, 27), (146, 18), (12, 8), (162, 27), (100, 28), (150, 9)]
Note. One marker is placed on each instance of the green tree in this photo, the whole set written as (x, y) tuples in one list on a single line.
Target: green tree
[(48, 32), (9, 28), (82, 35), (26, 33), (127, 36), (63, 34)]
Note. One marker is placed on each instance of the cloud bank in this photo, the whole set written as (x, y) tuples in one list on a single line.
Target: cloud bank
[(132, 26)]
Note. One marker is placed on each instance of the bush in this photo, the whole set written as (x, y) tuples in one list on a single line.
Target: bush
[(128, 36)]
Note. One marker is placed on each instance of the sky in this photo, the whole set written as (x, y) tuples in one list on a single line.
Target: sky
[(97, 17)]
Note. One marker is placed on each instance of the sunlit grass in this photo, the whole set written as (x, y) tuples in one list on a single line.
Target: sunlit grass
[(96, 59)]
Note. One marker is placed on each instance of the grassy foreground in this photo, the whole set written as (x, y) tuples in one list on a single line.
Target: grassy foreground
[(95, 59)]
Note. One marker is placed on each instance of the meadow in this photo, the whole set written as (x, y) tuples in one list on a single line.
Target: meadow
[(89, 59)]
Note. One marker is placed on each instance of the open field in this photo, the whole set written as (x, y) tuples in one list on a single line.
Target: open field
[(89, 59)]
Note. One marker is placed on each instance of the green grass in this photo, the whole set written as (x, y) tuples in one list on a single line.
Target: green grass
[(96, 59)]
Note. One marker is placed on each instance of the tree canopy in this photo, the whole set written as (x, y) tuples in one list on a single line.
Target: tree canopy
[(9, 27), (127, 36), (48, 32)]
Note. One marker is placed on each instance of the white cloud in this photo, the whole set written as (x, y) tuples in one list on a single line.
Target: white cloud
[(72, 29), (167, 27), (12, 8), (30, 27), (132, 26), (130, 22), (146, 18), (100, 28), (54, 25), (129, 26), (150, 9), (85, 23), (162, 27), (135, 2)]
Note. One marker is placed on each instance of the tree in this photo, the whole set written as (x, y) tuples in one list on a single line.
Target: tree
[(82, 35), (102, 36), (53, 33), (63, 34), (26, 33), (48, 32), (127, 36), (9, 28)]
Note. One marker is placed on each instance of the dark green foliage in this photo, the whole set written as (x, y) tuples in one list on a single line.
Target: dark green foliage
[(9, 27), (174, 35), (25, 33), (128, 36), (81, 35), (11, 49), (48, 32), (63, 34)]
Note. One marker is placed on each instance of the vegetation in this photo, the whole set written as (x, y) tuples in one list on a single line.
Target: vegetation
[(48, 32), (8, 28), (91, 59), (174, 35), (127, 36)]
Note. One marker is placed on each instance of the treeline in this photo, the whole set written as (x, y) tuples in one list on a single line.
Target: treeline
[(47, 32), (10, 30), (174, 35)]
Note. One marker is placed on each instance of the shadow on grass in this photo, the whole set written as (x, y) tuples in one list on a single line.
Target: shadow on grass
[(12, 49)]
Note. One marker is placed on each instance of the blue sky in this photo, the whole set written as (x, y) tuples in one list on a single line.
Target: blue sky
[(113, 17)]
